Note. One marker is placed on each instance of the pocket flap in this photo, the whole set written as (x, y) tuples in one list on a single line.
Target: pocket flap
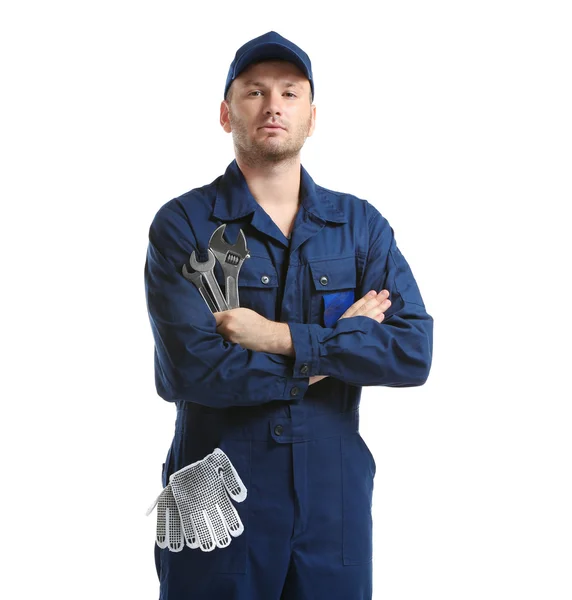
[(334, 274)]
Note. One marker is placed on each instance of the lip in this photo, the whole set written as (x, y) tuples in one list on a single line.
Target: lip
[(271, 127)]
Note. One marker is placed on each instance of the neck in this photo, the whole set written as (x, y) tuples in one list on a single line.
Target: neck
[(273, 185)]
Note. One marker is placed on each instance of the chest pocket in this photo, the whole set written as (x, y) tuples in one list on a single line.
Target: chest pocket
[(257, 285), (333, 288)]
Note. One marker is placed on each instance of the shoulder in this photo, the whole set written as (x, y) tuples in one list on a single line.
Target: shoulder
[(176, 214), (357, 210)]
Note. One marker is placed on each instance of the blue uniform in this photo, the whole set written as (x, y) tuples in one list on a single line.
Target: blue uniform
[(297, 448)]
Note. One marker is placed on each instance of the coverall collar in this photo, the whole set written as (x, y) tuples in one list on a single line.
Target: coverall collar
[(234, 199)]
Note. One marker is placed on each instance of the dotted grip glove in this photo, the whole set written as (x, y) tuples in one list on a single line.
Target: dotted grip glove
[(195, 505)]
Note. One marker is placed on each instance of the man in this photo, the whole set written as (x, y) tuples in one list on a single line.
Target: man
[(275, 384)]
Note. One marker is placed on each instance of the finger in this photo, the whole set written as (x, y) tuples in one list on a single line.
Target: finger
[(172, 530), (205, 533), (378, 303), (370, 305), (190, 532), (221, 535), (230, 515), (375, 298), (375, 314), (385, 305), (356, 306), (180, 483), (377, 310), (189, 529), (380, 295), (161, 534), (175, 539)]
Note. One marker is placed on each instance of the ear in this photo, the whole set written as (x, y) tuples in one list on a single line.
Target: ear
[(313, 125), (224, 120)]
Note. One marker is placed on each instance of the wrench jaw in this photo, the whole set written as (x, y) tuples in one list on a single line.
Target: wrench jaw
[(208, 280), (218, 242)]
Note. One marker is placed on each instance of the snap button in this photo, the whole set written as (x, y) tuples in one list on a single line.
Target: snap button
[(324, 280), (278, 429), (265, 279), (304, 368), (294, 391)]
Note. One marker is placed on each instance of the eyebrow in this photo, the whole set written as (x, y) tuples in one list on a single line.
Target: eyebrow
[(261, 84)]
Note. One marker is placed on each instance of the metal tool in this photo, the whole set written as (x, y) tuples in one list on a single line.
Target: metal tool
[(206, 269), (230, 257), (197, 279)]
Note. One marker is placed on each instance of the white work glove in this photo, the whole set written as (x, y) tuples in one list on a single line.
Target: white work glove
[(201, 494)]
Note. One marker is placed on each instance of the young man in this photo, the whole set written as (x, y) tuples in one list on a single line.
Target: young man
[(275, 384)]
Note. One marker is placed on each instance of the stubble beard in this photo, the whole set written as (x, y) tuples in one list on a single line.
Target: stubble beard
[(259, 153)]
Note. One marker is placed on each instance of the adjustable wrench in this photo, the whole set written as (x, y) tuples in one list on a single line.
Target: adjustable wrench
[(230, 257)]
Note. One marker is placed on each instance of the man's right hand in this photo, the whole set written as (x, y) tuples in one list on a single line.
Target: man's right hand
[(372, 305)]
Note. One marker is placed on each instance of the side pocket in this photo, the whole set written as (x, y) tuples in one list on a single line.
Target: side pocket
[(233, 558), (357, 496), (368, 451), (166, 469)]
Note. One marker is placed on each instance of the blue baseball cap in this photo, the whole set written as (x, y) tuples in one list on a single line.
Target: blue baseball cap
[(265, 47)]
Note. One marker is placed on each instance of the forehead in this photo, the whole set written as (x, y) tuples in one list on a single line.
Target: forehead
[(272, 69)]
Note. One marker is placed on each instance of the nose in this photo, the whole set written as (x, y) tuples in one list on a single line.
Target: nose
[(273, 102)]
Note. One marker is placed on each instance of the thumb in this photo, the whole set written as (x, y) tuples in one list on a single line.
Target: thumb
[(231, 479)]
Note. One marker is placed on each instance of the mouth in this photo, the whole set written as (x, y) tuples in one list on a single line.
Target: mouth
[(272, 127)]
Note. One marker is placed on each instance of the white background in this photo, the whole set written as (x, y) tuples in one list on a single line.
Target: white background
[(453, 118)]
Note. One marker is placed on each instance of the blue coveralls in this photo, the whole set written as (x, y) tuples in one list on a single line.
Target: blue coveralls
[(309, 474)]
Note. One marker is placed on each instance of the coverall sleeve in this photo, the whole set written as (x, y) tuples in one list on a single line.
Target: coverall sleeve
[(360, 351), (192, 361)]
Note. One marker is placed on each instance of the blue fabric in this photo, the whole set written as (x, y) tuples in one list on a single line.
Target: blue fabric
[(335, 305), (297, 447)]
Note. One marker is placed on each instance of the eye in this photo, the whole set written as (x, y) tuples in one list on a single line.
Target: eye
[(290, 94)]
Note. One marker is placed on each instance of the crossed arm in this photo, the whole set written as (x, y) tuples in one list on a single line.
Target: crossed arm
[(196, 361), (253, 331)]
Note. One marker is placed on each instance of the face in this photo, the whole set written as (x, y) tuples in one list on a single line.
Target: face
[(269, 93)]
